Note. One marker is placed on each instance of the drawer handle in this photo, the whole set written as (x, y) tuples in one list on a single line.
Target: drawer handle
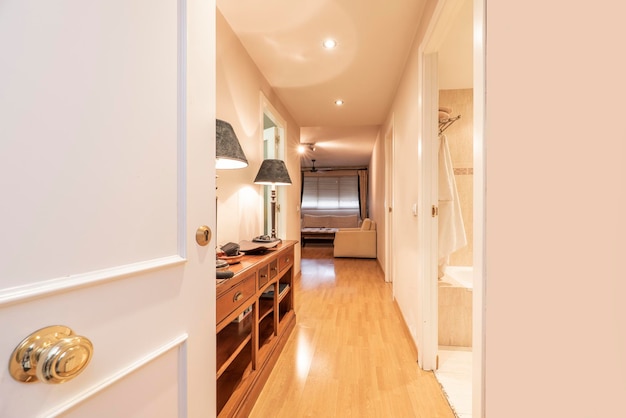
[(238, 296), (275, 268), (287, 261), (263, 275)]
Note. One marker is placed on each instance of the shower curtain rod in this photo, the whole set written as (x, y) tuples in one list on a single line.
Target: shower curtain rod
[(445, 123)]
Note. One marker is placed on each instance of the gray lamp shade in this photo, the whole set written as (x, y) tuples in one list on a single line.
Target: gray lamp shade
[(273, 172), (228, 152)]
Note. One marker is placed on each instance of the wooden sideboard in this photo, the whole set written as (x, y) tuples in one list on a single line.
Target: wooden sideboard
[(255, 315)]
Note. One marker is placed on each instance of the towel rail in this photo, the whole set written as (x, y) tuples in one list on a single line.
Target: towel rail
[(445, 123)]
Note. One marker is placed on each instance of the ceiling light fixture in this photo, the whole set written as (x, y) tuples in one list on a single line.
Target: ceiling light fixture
[(302, 147), (338, 102), (330, 43)]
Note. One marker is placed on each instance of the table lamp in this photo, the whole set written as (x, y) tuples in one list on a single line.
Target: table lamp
[(273, 173), (228, 155)]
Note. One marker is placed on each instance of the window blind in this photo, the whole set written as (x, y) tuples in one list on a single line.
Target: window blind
[(330, 192)]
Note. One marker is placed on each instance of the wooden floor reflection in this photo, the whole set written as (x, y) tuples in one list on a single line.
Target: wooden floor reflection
[(349, 355)]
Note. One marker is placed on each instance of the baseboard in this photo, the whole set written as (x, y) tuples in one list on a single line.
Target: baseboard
[(414, 348)]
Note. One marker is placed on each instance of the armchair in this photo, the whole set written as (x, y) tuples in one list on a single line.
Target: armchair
[(356, 242)]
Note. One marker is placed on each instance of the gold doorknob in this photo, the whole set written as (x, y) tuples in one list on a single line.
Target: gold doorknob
[(51, 355)]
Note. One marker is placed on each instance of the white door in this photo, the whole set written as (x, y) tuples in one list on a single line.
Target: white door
[(107, 120)]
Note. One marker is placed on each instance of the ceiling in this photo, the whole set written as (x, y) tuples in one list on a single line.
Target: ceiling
[(284, 38)]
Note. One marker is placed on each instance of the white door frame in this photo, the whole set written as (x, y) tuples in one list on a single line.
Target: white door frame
[(479, 301), (428, 224), (389, 187), (433, 38)]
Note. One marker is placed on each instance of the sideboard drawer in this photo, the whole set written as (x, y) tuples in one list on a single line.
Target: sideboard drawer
[(286, 260), (234, 298), (264, 275), (273, 268)]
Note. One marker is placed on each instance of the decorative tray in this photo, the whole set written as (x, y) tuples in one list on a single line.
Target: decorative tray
[(231, 259)]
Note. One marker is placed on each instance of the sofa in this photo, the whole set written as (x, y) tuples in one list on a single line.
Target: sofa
[(330, 221), (356, 242)]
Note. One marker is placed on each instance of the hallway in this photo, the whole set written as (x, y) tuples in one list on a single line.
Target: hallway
[(349, 355)]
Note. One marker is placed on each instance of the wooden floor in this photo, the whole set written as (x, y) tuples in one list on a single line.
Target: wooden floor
[(349, 354)]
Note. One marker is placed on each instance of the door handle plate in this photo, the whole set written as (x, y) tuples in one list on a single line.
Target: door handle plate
[(50, 355)]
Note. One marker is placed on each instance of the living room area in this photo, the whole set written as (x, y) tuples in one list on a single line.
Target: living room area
[(335, 210)]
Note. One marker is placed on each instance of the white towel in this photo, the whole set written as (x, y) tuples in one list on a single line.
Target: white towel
[(451, 235)]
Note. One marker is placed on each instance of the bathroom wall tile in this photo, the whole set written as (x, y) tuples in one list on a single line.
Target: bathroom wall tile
[(460, 133)]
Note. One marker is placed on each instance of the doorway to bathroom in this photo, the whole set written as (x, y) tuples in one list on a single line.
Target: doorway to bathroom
[(452, 156)]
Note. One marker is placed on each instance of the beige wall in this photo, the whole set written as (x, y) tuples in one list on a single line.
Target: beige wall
[(239, 85), (555, 205), (460, 141), (377, 196)]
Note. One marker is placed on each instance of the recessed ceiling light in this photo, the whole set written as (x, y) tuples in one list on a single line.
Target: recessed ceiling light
[(330, 43), (338, 102)]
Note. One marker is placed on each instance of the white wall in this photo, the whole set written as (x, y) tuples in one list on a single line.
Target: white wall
[(404, 115), (238, 89), (377, 196)]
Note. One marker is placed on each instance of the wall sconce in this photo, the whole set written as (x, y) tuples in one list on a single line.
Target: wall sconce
[(302, 147), (273, 173)]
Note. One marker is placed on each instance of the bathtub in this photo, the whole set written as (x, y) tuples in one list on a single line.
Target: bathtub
[(459, 276), (455, 307)]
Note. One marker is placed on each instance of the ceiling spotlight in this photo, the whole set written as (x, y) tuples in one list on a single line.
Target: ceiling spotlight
[(330, 43), (338, 102)]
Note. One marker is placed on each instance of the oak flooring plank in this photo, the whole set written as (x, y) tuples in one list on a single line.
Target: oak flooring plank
[(349, 354)]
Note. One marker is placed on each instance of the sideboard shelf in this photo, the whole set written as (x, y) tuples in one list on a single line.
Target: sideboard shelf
[(248, 346), (231, 341)]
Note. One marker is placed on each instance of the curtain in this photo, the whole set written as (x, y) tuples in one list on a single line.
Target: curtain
[(363, 209), (301, 187), (451, 228)]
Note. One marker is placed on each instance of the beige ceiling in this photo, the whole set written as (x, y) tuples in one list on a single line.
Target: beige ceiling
[(284, 39)]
